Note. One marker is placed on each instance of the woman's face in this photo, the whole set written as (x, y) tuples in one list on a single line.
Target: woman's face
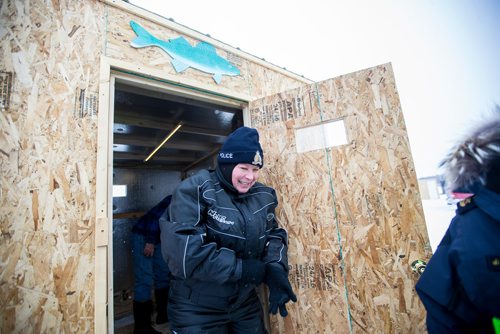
[(244, 177)]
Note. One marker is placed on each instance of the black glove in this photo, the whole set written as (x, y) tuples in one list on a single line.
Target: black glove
[(252, 271), (280, 290)]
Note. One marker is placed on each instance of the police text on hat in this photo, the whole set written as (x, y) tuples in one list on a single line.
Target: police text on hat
[(242, 146)]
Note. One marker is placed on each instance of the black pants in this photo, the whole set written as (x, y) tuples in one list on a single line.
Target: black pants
[(193, 312)]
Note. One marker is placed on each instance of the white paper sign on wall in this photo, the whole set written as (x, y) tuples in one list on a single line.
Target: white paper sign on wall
[(320, 136)]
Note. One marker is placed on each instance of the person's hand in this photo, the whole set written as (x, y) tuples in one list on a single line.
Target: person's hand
[(252, 271), (149, 249), (280, 290)]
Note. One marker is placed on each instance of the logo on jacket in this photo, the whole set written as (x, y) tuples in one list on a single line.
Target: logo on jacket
[(493, 263), (218, 217)]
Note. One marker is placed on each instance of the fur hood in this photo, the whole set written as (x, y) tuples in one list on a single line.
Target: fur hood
[(475, 159)]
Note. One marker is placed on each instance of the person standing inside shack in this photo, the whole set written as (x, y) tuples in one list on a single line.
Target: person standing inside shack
[(150, 270), (221, 240), (460, 286)]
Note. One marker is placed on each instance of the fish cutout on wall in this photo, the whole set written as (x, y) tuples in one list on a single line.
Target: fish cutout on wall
[(201, 57)]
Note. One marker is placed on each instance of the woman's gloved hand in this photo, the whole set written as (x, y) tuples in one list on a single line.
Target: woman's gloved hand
[(252, 271), (280, 290)]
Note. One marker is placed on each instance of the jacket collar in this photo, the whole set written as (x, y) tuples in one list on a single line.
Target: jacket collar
[(488, 201), (225, 184)]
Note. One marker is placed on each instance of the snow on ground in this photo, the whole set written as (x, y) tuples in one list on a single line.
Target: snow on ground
[(438, 214)]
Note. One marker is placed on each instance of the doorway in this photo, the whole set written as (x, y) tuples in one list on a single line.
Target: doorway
[(144, 115)]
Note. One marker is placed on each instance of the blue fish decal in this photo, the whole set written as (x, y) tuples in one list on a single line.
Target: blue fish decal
[(201, 57)]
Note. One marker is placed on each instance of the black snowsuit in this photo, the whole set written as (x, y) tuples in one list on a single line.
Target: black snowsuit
[(205, 235)]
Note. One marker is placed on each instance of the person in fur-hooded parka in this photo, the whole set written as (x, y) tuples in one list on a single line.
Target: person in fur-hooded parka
[(460, 287)]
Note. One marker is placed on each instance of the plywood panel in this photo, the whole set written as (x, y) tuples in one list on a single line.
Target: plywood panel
[(353, 212), (48, 147), (254, 80), (47, 166)]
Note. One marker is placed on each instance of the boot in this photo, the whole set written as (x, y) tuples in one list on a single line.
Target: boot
[(161, 296), (142, 318)]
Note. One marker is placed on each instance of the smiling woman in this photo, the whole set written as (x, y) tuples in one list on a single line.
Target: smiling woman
[(221, 240), (244, 177)]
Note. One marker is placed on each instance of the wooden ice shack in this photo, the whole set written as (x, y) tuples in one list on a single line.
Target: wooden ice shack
[(81, 108)]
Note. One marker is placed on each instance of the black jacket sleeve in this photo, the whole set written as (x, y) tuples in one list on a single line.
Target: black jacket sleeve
[(277, 241)]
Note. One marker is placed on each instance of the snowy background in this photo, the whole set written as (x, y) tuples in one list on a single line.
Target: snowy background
[(438, 214)]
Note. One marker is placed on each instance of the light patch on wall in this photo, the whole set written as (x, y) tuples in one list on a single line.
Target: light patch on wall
[(120, 190), (320, 136)]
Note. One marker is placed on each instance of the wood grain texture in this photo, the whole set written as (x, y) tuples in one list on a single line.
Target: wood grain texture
[(361, 198), (353, 212), (49, 148), (47, 166)]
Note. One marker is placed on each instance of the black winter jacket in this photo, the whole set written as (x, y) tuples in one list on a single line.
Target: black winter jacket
[(209, 230)]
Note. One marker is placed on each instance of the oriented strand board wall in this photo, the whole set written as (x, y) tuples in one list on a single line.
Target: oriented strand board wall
[(353, 212), (254, 80), (48, 144), (48, 151)]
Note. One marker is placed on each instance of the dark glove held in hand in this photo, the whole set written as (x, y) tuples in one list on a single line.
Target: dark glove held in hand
[(280, 290), (252, 271)]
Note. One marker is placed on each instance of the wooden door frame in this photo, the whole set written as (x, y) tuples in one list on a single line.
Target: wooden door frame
[(109, 70)]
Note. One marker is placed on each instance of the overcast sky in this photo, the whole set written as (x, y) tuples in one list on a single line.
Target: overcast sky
[(445, 54)]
